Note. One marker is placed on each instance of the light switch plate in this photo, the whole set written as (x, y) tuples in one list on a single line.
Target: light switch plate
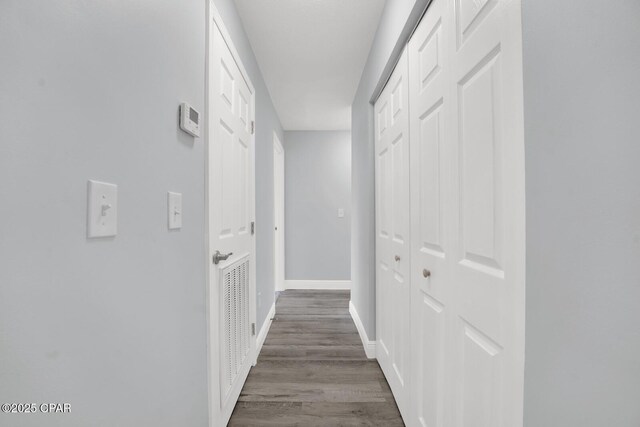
[(102, 209), (174, 203), (340, 213)]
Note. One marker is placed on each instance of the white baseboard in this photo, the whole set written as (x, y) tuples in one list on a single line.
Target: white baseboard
[(317, 284), (262, 335), (369, 346)]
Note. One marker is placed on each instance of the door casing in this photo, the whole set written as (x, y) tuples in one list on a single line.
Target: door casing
[(278, 213)]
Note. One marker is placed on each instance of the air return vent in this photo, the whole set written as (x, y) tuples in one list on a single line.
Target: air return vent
[(235, 326)]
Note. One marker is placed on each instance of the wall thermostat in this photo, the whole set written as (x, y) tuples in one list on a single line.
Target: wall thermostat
[(189, 119)]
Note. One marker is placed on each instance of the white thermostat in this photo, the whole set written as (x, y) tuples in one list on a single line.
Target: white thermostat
[(189, 119)]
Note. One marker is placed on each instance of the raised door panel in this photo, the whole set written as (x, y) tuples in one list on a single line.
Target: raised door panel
[(429, 357), (384, 194), (479, 378), (227, 83), (398, 197), (482, 225), (429, 53), (385, 313), (243, 158), (430, 180), (242, 185), (227, 140), (384, 207), (397, 100), (243, 108), (470, 14), (382, 118)]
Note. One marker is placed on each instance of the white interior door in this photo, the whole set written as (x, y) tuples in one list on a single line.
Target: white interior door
[(431, 152), (278, 212), (487, 213), (392, 232), (230, 190), (468, 223)]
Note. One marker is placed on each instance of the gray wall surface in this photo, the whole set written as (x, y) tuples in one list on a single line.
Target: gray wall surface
[(317, 184), (116, 327), (398, 19), (582, 135)]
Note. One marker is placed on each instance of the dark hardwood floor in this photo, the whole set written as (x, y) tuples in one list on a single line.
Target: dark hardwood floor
[(312, 370)]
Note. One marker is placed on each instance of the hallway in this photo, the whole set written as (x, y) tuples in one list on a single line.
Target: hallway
[(319, 213), (312, 369)]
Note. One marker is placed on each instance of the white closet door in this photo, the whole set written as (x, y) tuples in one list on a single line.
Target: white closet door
[(488, 278), (392, 233), (468, 223), (488, 214), (431, 246)]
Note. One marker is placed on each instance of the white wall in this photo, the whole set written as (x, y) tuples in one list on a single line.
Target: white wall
[(398, 19), (582, 100), (115, 327), (317, 184)]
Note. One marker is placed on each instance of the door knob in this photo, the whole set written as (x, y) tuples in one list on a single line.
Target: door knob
[(397, 258), (426, 273), (217, 257)]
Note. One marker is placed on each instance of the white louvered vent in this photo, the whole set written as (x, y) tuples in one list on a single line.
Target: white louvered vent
[(235, 325)]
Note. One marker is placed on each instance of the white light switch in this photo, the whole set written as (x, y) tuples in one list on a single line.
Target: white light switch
[(174, 202), (340, 213), (102, 209)]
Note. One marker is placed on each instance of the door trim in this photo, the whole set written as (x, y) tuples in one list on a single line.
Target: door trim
[(413, 20), (278, 255), (213, 344)]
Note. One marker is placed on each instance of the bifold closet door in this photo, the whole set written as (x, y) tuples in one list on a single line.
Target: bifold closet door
[(392, 233), (431, 245), (468, 224), (488, 214)]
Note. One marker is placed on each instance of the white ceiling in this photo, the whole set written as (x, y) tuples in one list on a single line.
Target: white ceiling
[(311, 54)]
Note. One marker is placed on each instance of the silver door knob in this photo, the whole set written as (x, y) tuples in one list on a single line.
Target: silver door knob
[(426, 273), (217, 257), (397, 258)]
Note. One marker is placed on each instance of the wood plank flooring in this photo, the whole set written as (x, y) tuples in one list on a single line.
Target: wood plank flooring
[(313, 371)]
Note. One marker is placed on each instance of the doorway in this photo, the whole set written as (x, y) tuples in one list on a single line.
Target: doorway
[(278, 213)]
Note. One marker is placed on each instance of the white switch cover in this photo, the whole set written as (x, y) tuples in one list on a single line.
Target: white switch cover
[(340, 213), (102, 209), (174, 202)]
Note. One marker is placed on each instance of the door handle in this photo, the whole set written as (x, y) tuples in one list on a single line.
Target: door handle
[(426, 273), (397, 258), (217, 257)]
